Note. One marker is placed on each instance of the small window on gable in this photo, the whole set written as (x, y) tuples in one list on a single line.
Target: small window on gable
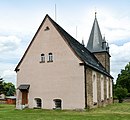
[(42, 58), (50, 57), (47, 28)]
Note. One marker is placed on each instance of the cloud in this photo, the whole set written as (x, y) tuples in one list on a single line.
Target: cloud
[(11, 49), (120, 56), (116, 28), (9, 76), (7, 72), (9, 43)]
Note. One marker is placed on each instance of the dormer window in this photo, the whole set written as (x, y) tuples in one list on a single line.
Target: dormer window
[(50, 57), (42, 58)]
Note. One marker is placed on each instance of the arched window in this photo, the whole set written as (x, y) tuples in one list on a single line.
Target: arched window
[(111, 87), (58, 103), (42, 58), (102, 88), (50, 57), (38, 102), (94, 90), (107, 85)]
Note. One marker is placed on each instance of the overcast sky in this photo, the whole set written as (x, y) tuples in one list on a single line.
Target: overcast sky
[(20, 19)]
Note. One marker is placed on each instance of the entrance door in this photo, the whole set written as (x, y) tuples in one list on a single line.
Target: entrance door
[(24, 97)]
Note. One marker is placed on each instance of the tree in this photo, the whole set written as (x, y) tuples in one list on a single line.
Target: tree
[(9, 89), (1, 86), (6, 88), (120, 93), (123, 79)]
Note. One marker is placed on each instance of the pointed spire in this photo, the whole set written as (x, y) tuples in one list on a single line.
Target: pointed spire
[(96, 43)]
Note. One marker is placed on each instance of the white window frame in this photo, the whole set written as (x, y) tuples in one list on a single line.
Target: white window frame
[(50, 57), (107, 87), (42, 57), (111, 88), (102, 87), (94, 79)]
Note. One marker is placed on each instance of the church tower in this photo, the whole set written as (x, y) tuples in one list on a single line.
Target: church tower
[(98, 45)]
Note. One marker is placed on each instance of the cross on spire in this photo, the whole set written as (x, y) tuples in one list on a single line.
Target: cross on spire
[(95, 14)]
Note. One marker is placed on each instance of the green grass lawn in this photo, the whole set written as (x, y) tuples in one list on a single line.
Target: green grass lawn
[(111, 112)]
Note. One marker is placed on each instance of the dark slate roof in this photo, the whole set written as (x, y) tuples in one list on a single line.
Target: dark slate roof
[(24, 87), (82, 52), (96, 43)]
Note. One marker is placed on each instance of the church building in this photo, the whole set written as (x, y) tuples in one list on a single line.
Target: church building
[(58, 72)]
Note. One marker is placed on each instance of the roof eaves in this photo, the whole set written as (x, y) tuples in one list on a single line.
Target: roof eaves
[(102, 71)]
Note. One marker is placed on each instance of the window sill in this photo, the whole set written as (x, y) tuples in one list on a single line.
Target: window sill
[(37, 108), (49, 61), (42, 61), (95, 103)]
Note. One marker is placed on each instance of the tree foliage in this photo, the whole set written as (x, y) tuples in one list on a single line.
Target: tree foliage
[(123, 79), (1, 85), (120, 93), (6, 88)]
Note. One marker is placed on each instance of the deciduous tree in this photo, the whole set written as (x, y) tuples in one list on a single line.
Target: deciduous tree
[(1, 86), (6, 88), (123, 79)]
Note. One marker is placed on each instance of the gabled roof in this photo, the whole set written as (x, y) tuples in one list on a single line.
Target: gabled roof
[(81, 52), (96, 43)]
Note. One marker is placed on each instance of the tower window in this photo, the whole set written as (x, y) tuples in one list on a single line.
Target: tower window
[(50, 57), (42, 58)]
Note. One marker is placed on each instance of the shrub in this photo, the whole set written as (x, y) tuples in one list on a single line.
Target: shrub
[(128, 94), (121, 93)]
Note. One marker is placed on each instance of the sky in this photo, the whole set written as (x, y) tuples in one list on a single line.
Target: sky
[(20, 19)]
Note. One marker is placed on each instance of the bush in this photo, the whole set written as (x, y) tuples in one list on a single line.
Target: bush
[(128, 94), (121, 93)]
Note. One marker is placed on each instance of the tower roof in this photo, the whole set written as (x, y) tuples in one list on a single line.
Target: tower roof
[(96, 43)]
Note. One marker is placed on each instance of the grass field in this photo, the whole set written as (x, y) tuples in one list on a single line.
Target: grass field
[(111, 112)]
